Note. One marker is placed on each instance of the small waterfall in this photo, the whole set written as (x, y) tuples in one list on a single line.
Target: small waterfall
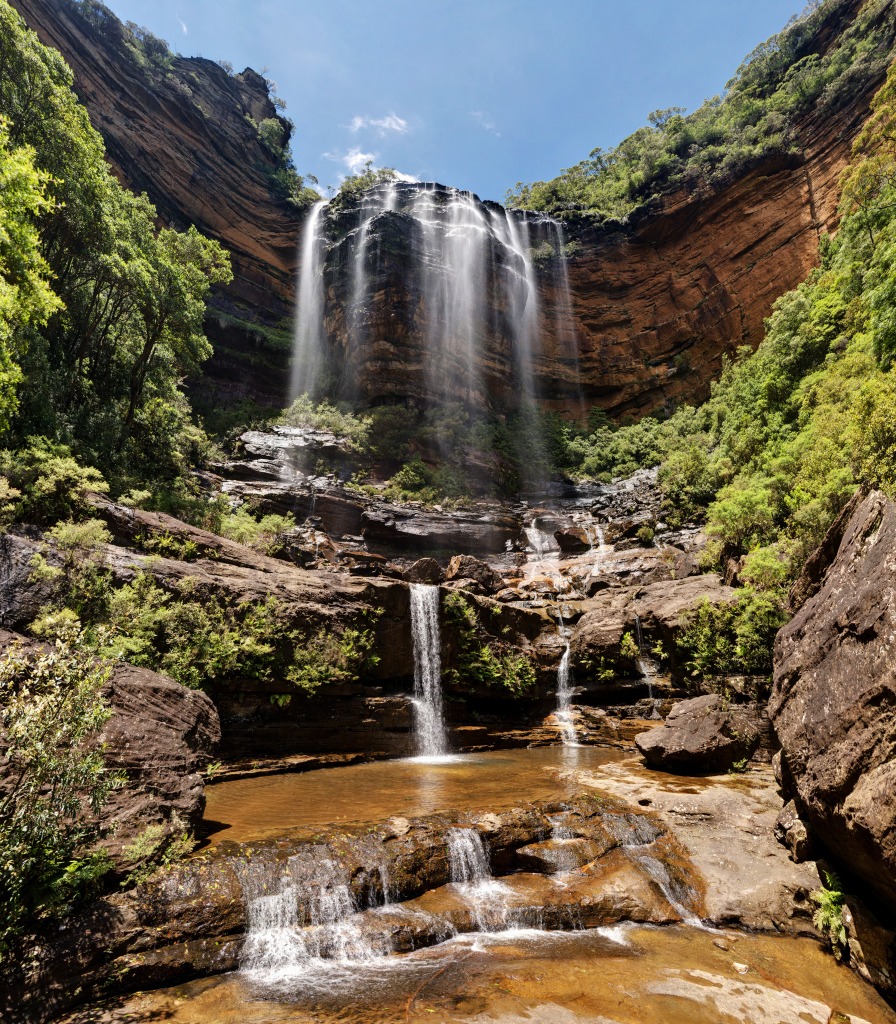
[(660, 874), (645, 665), (563, 714), (598, 545), (309, 350), (471, 872), (299, 913), (429, 723)]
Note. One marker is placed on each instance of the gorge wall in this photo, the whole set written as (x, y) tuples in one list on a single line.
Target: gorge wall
[(656, 301)]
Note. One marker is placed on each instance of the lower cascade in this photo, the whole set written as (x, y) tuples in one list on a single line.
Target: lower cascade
[(429, 723), (281, 941)]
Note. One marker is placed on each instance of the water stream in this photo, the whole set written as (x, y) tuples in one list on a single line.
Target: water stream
[(429, 722), (563, 714)]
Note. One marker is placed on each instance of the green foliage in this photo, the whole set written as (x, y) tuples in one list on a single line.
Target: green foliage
[(50, 484), (304, 412), (828, 915), (157, 847), (778, 82), (26, 297), (265, 534), (732, 639), (628, 647), (104, 354), (355, 184), (480, 659), (330, 657), (51, 709)]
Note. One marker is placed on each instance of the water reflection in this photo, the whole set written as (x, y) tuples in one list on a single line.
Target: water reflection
[(251, 809)]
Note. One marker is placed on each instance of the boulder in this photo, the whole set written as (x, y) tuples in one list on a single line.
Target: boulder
[(424, 570), (161, 735), (572, 538), (833, 703), (704, 734), (466, 567)]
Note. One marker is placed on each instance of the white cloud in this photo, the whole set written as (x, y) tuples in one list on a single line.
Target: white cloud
[(485, 121), (355, 162), (183, 27), (382, 125)]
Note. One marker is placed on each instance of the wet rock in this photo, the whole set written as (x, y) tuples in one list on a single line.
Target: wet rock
[(725, 825), (704, 734), (872, 946), (562, 854), (572, 538), (466, 567), (833, 704), (425, 570)]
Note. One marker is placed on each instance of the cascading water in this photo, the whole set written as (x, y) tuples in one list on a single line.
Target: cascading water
[(470, 292), (309, 347), (470, 870), (429, 722), (645, 665), (299, 912), (563, 714)]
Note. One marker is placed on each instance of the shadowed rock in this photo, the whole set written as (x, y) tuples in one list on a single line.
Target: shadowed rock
[(704, 734)]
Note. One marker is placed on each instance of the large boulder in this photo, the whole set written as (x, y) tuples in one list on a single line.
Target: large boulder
[(161, 735), (466, 567), (833, 704), (705, 734)]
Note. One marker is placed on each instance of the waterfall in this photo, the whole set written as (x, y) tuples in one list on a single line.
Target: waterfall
[(299, 912), (470, 870), (645, 665), (429, 723), (563, 714), (472, 295), (309, 349), (598, 545)]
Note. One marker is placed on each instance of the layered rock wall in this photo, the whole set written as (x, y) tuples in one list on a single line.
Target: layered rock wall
[(657, 302)]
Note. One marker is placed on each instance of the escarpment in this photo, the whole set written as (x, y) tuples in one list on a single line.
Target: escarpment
[(185, 132), (655, 302)]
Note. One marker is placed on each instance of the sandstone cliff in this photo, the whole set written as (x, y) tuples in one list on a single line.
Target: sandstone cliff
[(657, 302), (184, 134)]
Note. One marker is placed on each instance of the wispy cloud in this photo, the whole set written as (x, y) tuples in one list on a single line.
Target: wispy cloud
[(381, 125), (355, 161), (485, 122), (183, 27)]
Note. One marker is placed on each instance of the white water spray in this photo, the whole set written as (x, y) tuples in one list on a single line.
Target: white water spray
[(309, 351)]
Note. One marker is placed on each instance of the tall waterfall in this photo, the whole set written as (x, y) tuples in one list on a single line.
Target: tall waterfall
[(429, 723), (309, 348), (471, 277)]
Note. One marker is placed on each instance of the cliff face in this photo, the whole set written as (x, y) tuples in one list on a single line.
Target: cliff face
[(655, 304), (183, 132)]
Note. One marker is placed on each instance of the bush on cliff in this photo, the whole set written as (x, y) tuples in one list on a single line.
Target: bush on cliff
[(779, 82)]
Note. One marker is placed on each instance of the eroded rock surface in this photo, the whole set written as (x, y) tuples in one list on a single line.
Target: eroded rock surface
[(833, 705)]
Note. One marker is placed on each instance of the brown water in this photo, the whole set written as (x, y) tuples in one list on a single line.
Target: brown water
[(261, 808), (625, 975)]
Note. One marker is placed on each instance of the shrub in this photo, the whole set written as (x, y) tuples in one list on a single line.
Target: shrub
[(52, 485), (52, 708)]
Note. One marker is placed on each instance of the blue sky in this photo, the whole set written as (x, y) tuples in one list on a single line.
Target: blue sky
[(474, 93)]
